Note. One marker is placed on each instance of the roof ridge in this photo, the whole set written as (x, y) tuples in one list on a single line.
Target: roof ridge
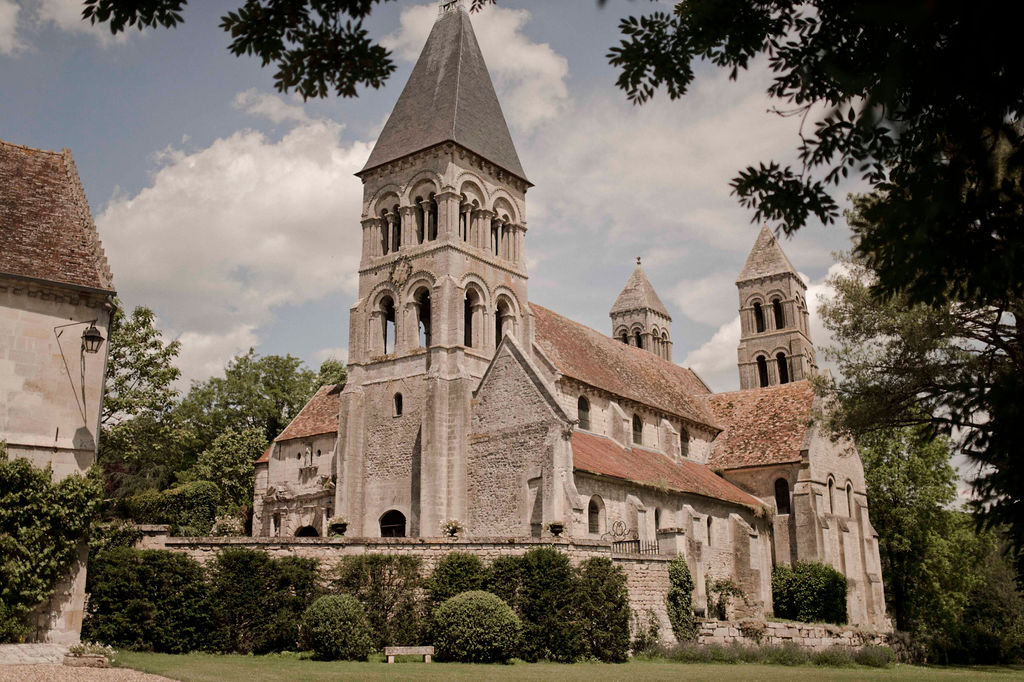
[(82, 202), (26, 148), (458, 73), (759, 388)]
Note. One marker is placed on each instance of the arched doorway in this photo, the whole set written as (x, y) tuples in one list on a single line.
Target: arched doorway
[(307, 532), (392, 524)]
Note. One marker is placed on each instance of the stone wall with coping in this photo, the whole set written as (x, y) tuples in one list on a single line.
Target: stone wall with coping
[(814, 636), (646, 575)]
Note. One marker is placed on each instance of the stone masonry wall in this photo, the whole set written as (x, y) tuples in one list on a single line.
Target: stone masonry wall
[(809, 635)]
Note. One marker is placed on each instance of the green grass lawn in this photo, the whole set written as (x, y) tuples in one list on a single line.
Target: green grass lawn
[(231, 668)]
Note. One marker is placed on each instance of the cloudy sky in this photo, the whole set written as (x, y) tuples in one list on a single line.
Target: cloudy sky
[(233, 211)]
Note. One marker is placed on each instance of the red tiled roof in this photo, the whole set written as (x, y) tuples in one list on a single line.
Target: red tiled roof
[(591, 357), (320, 415), (46, 230), (600, 455), (762, 425), (265, 457)]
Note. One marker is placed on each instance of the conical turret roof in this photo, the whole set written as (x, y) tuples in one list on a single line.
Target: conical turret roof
[(638, 294), (449, 97), (766, 258)]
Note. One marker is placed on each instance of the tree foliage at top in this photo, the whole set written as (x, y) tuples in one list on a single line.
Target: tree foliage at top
[(317, 46), (917, 98)]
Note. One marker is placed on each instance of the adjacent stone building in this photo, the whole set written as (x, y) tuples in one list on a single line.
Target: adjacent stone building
[(465, 401), (56, 297)]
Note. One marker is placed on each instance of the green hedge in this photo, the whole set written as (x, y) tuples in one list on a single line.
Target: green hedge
[(603, 609), (546, 602), (809, 592), (190, 508), (476, 627), (387, 586), (334, 627), (148, 599)]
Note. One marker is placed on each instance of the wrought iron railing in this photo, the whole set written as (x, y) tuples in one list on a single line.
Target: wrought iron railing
[(636, 547)]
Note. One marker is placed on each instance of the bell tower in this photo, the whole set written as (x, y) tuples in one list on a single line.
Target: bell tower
[(442, 277), (639, 318), (775, 342)]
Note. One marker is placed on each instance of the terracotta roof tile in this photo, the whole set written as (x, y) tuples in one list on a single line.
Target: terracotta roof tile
[(600, 455), (46, 229), (591, 357), (318, 416), (265, 457), (762, 425)]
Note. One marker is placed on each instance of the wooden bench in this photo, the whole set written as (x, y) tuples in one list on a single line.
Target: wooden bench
[(425, 651)]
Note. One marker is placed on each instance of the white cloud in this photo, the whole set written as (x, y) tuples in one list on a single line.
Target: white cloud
[(715, 360), (269, 106), (66, 15), (710, 299), (323, 354), (225, 234), (10, 41), (530, 77)]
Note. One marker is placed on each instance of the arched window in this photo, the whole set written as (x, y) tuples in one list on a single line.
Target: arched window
[(762, 371), (849, 499), (638, 430), (831, 495), (422, 298), (422, 217), (398, 404), (709, 530), (595, 513), (502, 320), (780, 316), (387, 318), (664, 345), (684, 442), (638, 338), (783, 368), (472, 301), (431, 218), (782, 496), (624, 338), (583, 412), (495, 239), (385, 231), (307, 532), (392, 524), (758, 317), (657, 518)]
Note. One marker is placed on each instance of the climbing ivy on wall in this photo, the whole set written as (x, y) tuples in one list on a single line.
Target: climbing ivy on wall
[(42, 523), (679, 600)]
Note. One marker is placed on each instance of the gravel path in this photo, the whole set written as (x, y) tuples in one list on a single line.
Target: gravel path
[(60, 673)]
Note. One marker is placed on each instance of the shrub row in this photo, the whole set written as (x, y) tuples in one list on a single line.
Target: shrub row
[(786, 654), (190, 508), (809, 592)]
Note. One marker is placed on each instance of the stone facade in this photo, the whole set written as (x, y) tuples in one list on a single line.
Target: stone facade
[(54, 285), (466, 402)]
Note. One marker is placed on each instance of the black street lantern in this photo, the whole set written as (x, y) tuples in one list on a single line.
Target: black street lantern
[(91, 339)]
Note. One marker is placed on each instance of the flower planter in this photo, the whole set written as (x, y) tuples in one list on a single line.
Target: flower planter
[(556, 529), (338, 529)]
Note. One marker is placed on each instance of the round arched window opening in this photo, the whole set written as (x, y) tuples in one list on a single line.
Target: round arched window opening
[(583, 413), (398, 404), (638, 430), (758, 317), (392, 524), (762, 371), (595, 512), (782, 496), (849, 499), (831, 495)]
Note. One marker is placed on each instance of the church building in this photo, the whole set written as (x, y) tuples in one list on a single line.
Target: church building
[(467, 402)]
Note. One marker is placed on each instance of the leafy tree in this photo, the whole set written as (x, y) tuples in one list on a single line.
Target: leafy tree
[(387, 586), (255, 392), (229, 462), (547, 603), (332, 372), (43, 524), (604, 609), (953, 368)]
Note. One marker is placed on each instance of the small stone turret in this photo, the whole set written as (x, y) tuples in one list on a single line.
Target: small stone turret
[(775, 342), (640, 319)]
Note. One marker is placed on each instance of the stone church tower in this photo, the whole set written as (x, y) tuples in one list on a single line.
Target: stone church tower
[(441, 279), (775, 343), (640, 319)]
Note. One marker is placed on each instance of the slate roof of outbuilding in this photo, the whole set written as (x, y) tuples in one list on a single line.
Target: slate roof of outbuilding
[(639, 294), (318, 416), (589, 356), (762, 425), (603, 456), (766, 258), (46, 229), (449, 97)]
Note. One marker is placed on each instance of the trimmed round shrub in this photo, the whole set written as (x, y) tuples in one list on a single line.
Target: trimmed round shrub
[(476, 627), (334, 627)]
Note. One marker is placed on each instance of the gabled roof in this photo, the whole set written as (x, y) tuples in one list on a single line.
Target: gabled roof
[(318, 416), (766, 258), (265, 457), (449, 97), (46, 229), (590, 357), (603, 456), (638, 294), (762, 425)]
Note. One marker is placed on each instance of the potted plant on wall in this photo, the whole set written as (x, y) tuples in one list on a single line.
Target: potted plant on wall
[(452, 527), (556, 528), (337, 526)]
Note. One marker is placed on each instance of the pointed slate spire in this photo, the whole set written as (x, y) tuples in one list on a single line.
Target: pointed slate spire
[(766, 258), (638, 294), (449, 97)]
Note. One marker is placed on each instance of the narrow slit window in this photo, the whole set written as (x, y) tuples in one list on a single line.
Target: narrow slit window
[(398, 404), (762, 371), (638, 430), (583, 412)]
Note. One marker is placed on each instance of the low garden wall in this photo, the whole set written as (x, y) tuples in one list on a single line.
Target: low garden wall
[(811, 636), (646, 575)]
